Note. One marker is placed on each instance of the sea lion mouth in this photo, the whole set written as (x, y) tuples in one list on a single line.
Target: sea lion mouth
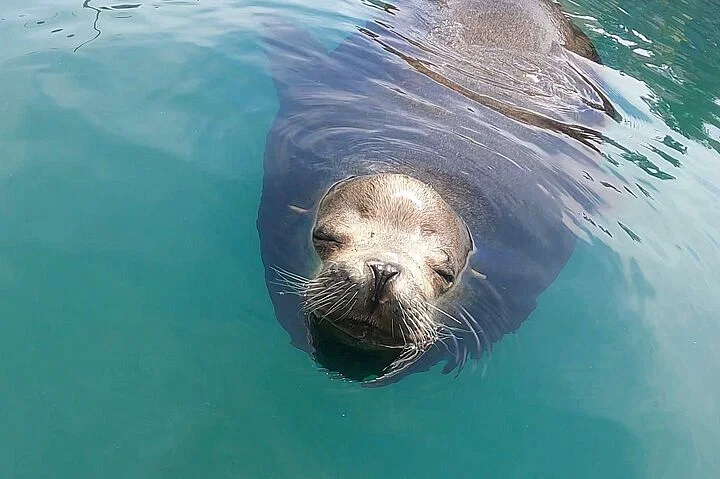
[(358, 334), (362, 351)]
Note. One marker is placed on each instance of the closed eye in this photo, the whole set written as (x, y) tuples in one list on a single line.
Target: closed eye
[(447, 276), (323, 236)]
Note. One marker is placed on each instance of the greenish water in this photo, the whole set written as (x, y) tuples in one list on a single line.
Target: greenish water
[(138, 339)]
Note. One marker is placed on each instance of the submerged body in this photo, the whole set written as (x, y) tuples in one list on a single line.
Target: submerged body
[(510, 166)]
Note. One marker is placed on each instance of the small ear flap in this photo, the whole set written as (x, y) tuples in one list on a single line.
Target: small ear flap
[(298, 209)]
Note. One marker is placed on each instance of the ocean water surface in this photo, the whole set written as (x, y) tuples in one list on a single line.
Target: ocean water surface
[(137, 336)]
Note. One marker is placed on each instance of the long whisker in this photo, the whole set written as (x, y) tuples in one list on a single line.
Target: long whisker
[(422, 319), (292, 288), (478, 328), (321, 287), (312, 307), (287, 291), (416, 327), (351, 302), (427, 328), (431, 326), (444, 313), (314, 303), (392, 324), (414, 331), (339, 303), (456, 347), (404, 319), (472, 331), (289, 274), (441, 340), (291, 281)]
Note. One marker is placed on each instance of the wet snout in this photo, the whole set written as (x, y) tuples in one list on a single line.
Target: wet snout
[(383, 273)]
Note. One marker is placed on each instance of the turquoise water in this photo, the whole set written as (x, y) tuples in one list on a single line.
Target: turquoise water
[(138, 338)]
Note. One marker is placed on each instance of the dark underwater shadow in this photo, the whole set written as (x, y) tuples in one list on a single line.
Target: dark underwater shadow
[(347, 362)]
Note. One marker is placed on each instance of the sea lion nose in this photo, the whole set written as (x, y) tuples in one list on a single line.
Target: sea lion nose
[(382, 273)]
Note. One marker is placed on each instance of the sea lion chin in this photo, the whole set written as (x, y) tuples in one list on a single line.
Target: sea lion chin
[(392, 252)]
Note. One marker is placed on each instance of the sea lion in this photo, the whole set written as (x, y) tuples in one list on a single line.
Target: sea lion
[(391, 250), (411, 207)]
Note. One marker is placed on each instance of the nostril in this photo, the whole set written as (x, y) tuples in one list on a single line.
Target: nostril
[(380, 269), (382, 273)]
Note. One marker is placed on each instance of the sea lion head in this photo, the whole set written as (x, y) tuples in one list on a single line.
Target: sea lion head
[(392, 251)]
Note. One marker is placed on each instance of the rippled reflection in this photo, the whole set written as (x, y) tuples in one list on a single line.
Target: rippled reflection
[(672, 51), (86, 4)]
